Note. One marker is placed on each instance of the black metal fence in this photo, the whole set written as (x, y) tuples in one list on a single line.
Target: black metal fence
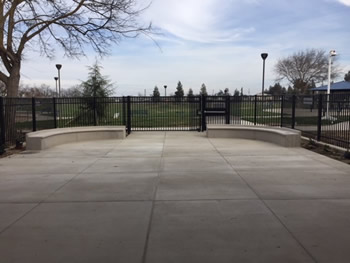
[(321, 117)]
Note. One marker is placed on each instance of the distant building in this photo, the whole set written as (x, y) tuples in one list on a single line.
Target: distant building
[(337, 87)]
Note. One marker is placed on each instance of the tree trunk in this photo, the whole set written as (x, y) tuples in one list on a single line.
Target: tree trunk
[(12, 85)]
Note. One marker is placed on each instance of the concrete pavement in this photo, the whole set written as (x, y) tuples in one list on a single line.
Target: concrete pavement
[(160, 197)]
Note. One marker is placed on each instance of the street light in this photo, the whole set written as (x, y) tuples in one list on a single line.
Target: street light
[(264, 57), (56, 78), (332, 53), (165, 86), (59, 66)]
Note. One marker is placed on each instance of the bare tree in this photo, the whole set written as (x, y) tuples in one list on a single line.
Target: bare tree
[(74, 91), (74, 24), (29, 91), (309, 66)]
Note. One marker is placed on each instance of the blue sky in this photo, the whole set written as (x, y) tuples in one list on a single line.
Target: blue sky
[(216, 42)]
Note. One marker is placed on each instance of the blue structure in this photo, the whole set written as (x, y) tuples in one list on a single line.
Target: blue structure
[(338, 87)]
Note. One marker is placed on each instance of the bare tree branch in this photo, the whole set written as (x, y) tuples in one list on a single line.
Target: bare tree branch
[(73, 25), (309, 66)]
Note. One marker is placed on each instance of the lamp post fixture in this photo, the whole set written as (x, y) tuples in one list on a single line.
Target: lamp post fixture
[(56, 78), (59, 66), (165, 86), (332, 53), (264, 57)]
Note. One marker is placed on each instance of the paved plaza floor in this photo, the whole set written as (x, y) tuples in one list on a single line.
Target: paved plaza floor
[(162, 197)]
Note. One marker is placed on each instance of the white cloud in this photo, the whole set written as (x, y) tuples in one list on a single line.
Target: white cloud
[(197, 20), (345, 2)]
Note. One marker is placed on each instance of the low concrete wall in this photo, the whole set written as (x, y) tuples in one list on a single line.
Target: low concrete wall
[(45, 139), (281, 136)]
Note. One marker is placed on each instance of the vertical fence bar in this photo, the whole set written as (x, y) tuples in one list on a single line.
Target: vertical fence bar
[(128, 122), (95, 111), (282, 110), (124, 111), (319, 117), (2, 123), (293, 111), (203, 104), (33, 115), (199, 113), (228, 110), (255, 107), (54, 113)]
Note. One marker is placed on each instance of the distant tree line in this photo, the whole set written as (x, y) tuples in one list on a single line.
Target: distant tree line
[(179, 93)]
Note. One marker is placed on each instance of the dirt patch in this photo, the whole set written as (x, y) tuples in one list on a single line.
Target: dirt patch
[(327, 151), (11, 151)]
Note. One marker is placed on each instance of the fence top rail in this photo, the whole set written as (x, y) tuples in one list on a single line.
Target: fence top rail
[(347, 95)]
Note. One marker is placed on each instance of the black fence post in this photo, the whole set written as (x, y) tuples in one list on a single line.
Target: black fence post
[(2, 124), (54, 113), (255, 107), (204, 119), (128, 123), (282, 110), (319, 117), (228, 109), (293, 111), (33, 114), (95, 112), (124, 111), (199, 113)]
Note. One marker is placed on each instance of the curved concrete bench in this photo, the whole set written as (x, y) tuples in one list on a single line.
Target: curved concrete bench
[(45, 139), (281, 136)]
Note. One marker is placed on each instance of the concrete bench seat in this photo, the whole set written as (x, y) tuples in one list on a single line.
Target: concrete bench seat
[(281, 136), (41, 140)]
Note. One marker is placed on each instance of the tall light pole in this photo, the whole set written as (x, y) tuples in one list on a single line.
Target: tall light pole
[(264, 57), (56, 78), (165, 86), (332, 53), (59, 66)]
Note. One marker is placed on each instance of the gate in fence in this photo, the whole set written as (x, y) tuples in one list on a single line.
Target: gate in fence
[(163, 114)]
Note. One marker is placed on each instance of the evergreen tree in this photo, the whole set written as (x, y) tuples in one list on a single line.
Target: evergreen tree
[(96, 86), (236, 93), (276, 89), (190, 93), (290, 90), (179, 93), (156, 93), (220, 93), (347, 76), (203, 90)]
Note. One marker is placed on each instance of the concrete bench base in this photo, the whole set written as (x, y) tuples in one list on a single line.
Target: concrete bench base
[(281, 136), (45, 139)]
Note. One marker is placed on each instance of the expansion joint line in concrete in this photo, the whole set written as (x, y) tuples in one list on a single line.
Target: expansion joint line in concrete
[(46, 198), (148, 233), (266, 205)]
